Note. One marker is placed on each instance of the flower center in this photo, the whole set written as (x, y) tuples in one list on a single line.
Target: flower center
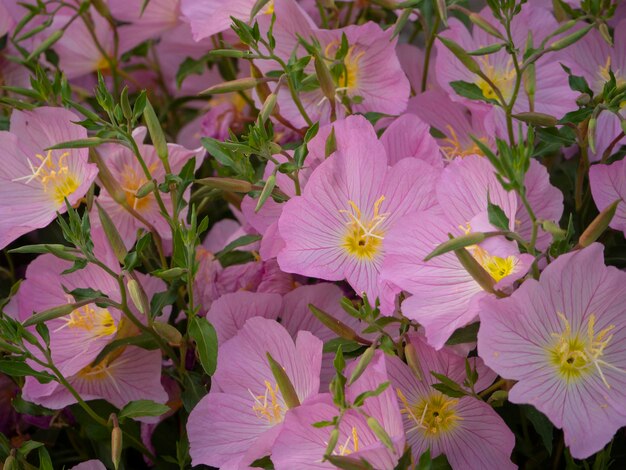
[(90, 318), (351, 444), (433, 415), (576, 355), (603, 73), (498, 268), (54, 175), (363, 236), (132, 180), (267, 406), (502, 78), (347, 77), (452, 147)]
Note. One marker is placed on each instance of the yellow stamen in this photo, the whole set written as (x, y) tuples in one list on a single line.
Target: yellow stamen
[(497, 267), (96, 320), (502, 78), (433, 415), (353, 438), (452, 147), (54, 176), (363, 237), (576, 355), (268, 407), (132, 180)]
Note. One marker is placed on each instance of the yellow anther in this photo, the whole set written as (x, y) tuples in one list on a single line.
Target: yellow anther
[(433, 415), (97, 321), (577, 355), (363, 237), (452, 147), (267, 406)]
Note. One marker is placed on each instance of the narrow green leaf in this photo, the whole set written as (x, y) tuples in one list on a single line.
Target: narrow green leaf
[(205, 337), (139, 408)]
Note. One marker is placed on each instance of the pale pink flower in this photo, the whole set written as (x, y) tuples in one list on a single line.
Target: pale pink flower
[(335, 230), (466, 429), (127, 171), (608, 184), (238, 421), (562, 339), (35, 182), (302, 445)]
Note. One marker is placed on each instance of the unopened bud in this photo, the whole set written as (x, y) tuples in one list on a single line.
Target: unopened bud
[(116, 443), (137, 295), (598, 225), (461, 54), (268, 107), (168, 333), (226, 184), (475, 269), (583, 99), (483, 24), (570, 39), (145, 189), (241, 84), (364, 361), (337, 326), (410, 353), (284, 383), (538, 119)]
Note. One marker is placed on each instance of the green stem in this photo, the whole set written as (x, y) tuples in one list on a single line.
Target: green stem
[(428, 53)]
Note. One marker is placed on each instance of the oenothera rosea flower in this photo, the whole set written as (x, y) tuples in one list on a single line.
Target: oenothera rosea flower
[(608, 184), (238, 421), (562, 338), (552, 94), (445, 295), (34, 182), (335, 230), (593, 59), (130, 175), (131, 374), (372, 78), (457, 122), (466, 429), (302, 445)]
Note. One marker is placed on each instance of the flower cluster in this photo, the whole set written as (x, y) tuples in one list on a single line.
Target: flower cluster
[(302, 234)]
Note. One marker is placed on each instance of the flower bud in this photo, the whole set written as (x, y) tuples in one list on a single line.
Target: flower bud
[(570, 39), (168, 333), (341, 329), (364, 361), (116, 444), (598, 225), (474, 268), (284, 383), (461, 54), (483, 24), (410, 353), (137, 295), (226, 184), (456, 243), (538, 119), (240, 84)]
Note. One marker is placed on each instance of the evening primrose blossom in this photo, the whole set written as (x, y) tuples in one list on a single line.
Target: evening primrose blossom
[(35, 182), (562, 339)]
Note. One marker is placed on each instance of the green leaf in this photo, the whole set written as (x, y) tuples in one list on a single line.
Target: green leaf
[(205, 337), (467, 334), (456, 244), (470, 90), (21, 369), (136, 409), (425, 462), (497, 217), (542, 425), (239, 242)]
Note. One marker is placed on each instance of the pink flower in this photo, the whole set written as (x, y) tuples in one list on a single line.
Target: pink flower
[(608, 184), (553, 95), (210, 17), (301, 445), (335, 230), (133, 375), (34, 182), (127, 171), (467, 430), (445, 296), (89, 465), (592, 58), (373, 79), (562, 339), (238, 421)]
